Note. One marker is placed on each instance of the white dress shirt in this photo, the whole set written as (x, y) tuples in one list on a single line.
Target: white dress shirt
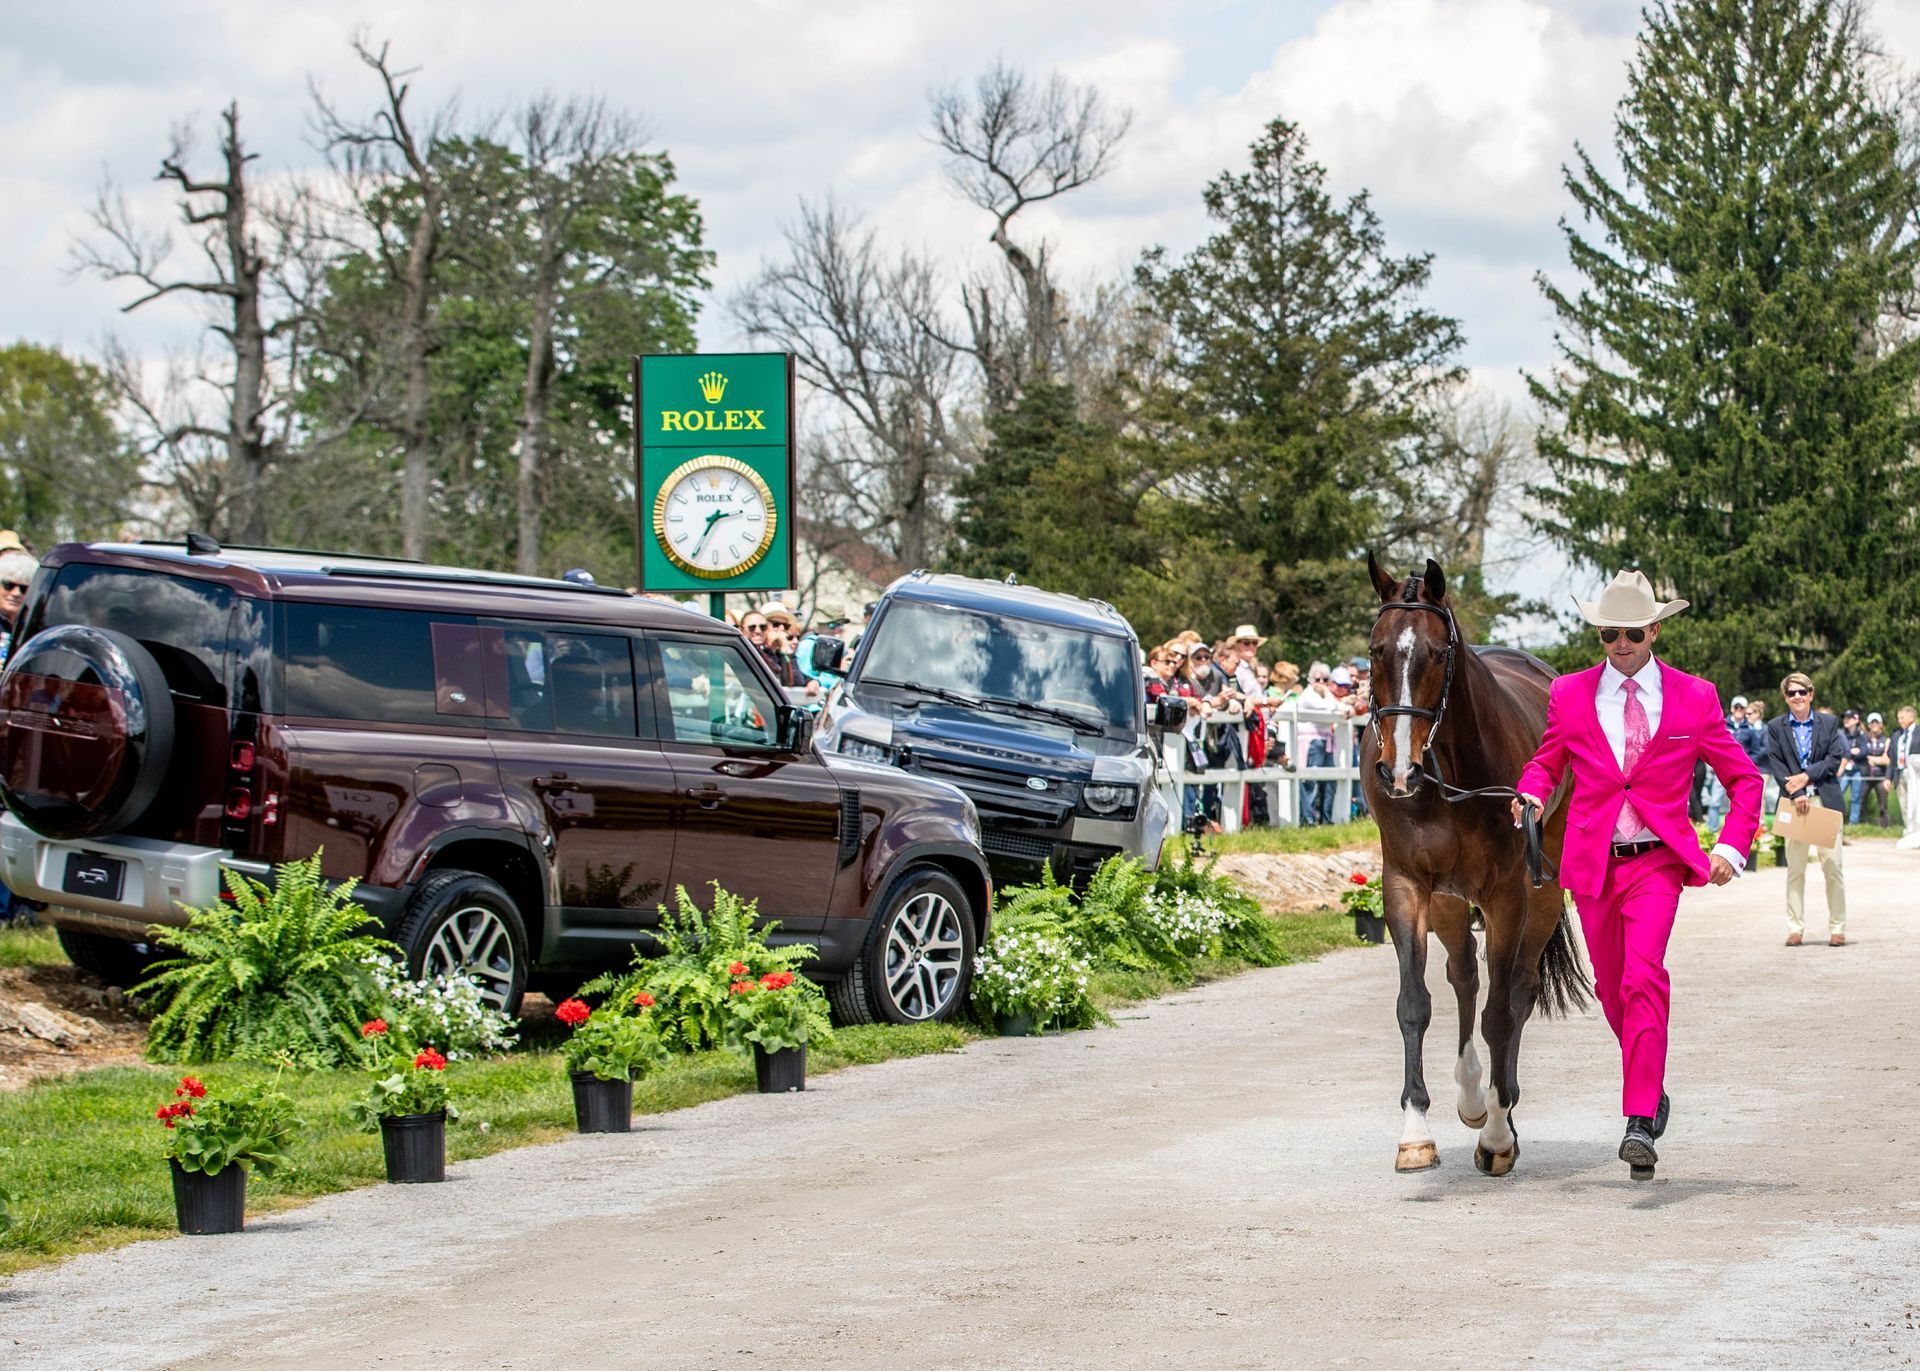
[(1610, 703)]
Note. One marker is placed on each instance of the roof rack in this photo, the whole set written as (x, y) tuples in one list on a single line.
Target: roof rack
[(417, 572), (200, 545)]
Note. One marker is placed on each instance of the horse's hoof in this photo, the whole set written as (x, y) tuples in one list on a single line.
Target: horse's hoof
[(1496, 1163), (1642, 1173), (1417, 1156), (1475, 1124)]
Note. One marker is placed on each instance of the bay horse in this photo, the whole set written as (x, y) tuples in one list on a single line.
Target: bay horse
[(1451, 727)]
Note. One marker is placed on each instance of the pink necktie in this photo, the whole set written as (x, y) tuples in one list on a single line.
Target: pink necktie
[(1638, 735)]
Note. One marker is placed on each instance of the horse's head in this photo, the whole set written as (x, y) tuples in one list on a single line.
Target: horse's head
[(1412, 650)]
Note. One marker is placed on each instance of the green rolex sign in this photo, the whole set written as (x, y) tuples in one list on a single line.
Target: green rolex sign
[(713, 441)]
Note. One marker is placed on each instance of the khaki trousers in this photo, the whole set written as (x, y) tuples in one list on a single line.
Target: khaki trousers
[(1797, 887), (1909, 788)]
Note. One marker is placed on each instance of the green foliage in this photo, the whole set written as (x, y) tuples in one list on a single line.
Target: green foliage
[(690, 977), (6, 1209), (1735, 416), (615, 1044), (442, 1011), (282, 974), (1113, 921), (1036, 972), (209, 1133), (403, 1076), (66, 471), (1239, 928), (778, 1011)]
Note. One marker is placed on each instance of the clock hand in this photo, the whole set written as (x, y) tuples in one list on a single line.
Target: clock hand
[(707, 533)]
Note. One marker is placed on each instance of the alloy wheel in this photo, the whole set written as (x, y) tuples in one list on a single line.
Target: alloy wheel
[(474, 942), (926, 952)]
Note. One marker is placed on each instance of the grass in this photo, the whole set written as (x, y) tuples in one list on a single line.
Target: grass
[(1320, 838), (35, 945), (81, 1153)]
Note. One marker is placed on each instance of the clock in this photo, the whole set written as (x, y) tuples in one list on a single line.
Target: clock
[(714, 517)]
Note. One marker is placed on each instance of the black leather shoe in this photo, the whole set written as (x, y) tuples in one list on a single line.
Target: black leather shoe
[(1636, 1148), (1660, 1115)]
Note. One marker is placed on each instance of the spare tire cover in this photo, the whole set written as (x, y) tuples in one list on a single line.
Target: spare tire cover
[(88, 731)]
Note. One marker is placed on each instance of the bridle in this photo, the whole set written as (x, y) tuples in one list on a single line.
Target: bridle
[(1540, 867)]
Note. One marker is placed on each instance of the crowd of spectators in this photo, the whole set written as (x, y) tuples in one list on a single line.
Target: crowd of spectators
[(1226, 682)]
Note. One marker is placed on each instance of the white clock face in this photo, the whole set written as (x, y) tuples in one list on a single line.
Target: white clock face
[(714, 517)]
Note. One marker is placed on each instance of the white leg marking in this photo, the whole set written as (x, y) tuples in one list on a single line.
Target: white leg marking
[(1466, 1074), (1403, 723), (1496, 1137), (1414, 1128)]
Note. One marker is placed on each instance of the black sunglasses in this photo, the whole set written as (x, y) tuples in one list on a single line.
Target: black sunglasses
[(1634, 635), (13, 585), (1796, 692)]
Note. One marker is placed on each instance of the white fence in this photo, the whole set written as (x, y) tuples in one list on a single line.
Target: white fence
[(1282, 784)]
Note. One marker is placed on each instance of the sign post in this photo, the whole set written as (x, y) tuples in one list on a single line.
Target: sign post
[(714, 472)]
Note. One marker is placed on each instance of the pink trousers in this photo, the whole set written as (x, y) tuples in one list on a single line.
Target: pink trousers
[(1627, 926)]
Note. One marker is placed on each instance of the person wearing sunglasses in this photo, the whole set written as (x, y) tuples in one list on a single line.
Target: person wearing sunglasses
[(1627, 734), (1804, 751), (16, 572)]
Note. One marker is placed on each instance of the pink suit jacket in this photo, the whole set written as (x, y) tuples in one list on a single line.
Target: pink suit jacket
[(1692, 726)]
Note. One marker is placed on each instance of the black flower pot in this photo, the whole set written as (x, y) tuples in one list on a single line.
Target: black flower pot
[(210, 1204), (601, 1106), (416, 1147), (779, 1072), (1370, 928), (1014, 1025)]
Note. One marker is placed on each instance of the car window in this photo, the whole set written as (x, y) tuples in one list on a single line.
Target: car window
[(344, 662), (186, 624), (714, 697), (564, 682)]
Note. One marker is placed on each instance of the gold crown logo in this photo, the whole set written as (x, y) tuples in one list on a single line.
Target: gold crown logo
[(713, 385)]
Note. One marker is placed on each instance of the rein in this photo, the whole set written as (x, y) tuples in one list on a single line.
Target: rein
[(1540, 867)]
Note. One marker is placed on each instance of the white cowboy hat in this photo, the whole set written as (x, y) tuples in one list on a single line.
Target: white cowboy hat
[(1627, 602), (1247, 631)]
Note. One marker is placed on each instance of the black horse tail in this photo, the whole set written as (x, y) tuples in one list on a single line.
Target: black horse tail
[(1564, 985)]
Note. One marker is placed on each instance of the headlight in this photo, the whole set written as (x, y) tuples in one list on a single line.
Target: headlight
[(865, 751), (1109, 800)]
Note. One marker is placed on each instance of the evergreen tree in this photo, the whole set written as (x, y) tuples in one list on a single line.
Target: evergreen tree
[(1735, 412), (66, 470), (1301, 375), (995, 497)]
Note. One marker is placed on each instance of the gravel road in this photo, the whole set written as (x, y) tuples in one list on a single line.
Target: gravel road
[(1210, 1183)]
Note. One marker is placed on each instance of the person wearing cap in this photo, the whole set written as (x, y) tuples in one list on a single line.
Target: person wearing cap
[(1626, 733), (1878, 776), (1853, 770), (579, 576), (1804, 753)]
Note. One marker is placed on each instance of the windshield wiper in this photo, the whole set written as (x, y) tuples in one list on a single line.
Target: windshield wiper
[(1078, 722), (938, 692)]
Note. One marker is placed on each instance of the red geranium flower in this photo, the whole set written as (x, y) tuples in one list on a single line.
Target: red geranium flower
[(430, 1060), (644, 1000), (740, 987), (573, 1013), (373, 1028), (189, 1085), (1358, 878), (736, 968), (776, 980)]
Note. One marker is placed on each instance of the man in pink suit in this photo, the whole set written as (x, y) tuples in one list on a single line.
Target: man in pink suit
[(1627, 733)]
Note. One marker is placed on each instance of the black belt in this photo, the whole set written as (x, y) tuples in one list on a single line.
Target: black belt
[(1636, 848)]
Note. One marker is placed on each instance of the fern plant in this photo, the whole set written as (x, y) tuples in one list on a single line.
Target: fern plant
[(701, 954), (1250, 934), (282, 974)]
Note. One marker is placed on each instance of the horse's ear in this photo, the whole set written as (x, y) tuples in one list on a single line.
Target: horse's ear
[(1382, 582), (1436, 582)]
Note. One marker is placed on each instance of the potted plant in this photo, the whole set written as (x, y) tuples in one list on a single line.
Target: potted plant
[(1365, 902), (1029, 979), (605, 1052), (778, 1014), (407, 1098), (211, 1141)]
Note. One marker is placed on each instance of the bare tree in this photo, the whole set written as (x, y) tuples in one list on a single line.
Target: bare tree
[(864, 331), (1471, 484), (381, 153), (226, 225), (1013, 143)]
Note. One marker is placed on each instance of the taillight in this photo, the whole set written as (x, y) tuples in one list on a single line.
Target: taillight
[(239, 803), (243, 757)]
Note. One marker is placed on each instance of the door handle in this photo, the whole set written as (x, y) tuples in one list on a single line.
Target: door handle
[(707, 796), (557, 778)]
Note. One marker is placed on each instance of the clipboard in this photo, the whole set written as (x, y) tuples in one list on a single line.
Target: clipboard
[(1819, 826)]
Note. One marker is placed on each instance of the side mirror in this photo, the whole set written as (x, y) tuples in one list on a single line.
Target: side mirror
[(796, 729), (828, 654), (1169, 711)]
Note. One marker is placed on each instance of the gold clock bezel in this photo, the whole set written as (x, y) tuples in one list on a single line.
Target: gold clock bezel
[(713, 461)]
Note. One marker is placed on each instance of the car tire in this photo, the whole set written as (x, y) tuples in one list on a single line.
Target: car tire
[(91, 725), (918, 959), (461, 921), (114, 960)]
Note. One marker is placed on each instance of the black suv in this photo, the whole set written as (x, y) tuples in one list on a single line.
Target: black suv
[(517, 771)]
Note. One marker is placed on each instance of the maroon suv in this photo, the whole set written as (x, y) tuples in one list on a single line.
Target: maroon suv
[(516, 771)]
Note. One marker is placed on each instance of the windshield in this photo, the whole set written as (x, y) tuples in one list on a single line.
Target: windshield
[(1090, 676)]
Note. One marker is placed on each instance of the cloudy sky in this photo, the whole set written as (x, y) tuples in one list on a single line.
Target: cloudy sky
[(1455, 114)]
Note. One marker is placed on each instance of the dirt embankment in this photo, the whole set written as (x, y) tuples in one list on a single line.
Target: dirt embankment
[(55, 1019), (1299, 882)]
